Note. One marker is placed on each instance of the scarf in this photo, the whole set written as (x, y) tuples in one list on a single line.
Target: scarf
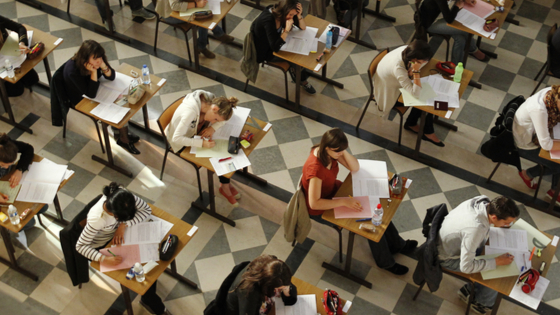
[(552, 110)]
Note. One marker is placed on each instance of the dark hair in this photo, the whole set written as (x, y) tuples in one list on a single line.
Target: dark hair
[(268, 272), (225, 105), (503, 208), (120, 202), (334, 139), (418, 49), (282, 8), (8, 149), (87, 49)]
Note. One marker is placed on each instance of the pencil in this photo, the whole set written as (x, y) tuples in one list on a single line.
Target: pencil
[(112, 253), (533, 252)]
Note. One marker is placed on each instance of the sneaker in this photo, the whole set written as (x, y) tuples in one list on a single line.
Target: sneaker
[(225, 38), (143, 13), (230, 198), (309, 88), (479, 308), (464, 293), (207, 53), (107, 26)]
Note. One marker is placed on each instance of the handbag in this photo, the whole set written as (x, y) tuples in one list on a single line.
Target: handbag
[(167, 247), (331, 303), (36, 50), (136, 89)]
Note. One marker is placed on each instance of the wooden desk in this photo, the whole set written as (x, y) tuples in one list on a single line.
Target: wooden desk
[(310, 61), (180, 228), (546, 155), (205, 162), (51, 43), (86, 106), (21, 206), (353, 227)]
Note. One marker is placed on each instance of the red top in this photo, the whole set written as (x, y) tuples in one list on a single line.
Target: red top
[(329, 186)]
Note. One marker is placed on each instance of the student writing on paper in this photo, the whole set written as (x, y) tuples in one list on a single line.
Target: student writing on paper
[(106, 223), (166, 7), (319, 185), (81, 77), (9, 150), (270, 30), (400, 68), (462, 236), (531, 125), (202, 113), (31, 77)]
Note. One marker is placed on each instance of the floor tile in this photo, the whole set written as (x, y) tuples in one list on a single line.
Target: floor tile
[(247, 233), (212, 271), (425, 304)]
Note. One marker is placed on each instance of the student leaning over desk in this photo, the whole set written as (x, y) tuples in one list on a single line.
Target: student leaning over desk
[(462, 237)]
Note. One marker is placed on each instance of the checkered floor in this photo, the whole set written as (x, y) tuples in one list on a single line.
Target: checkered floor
[(217, 247)]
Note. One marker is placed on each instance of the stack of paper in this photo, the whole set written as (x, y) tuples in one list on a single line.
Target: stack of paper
[(220, 150), (474, 22), (371, 180), (305, 305), (434, 88), (10, 51), (300, 41), (532, 299), (41, 182), (480, 8), (107, 94), (236, 162), (131, 254), (503, 241), (345, 212), (234, 126)]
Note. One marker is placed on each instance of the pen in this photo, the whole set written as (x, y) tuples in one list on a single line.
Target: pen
[(225, 159), (353, 199), (112, 253), (524, 261), (532, 253), (362, 220)]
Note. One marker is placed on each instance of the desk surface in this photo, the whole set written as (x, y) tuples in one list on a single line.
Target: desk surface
[(21, 206), (86, 105), (501, 16), (38, 36), (310, 61), (216, 18), (546, 155), (180, 228), (205, 162), (389, 210)]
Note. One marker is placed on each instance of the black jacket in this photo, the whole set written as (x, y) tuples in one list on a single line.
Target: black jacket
[(7, 24), (428, 268), (217, 306), (76, 264), (60, 103), (78, 84)]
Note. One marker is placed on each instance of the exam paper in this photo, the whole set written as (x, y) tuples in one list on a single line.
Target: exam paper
[(508, 239), (345, 212), (521, 259), (237, 162), (109, 91), (500, 271), (371, 179), (234, 126), (426, 93), (129, 253), (474, 22), (165, 225), (534, 298), (143, 233), (305, 305), (532, 233), (300, 41), (480, 8), (110, 112), (218, 151), (148, 252), (9, 191), (40, 183)]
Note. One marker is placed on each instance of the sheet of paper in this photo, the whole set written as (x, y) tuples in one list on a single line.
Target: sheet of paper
[(345, 212), (234, 126), (371, 179), (129, 253), (110, 112), (426, 93), (474, 22), (508, 239), (220, 150), (9, 191), (143, 233), (37, 192), (148, 252), (555, 241), (532, 233), (237, 162), (165, 225), (480, 8), (346, 306), (500, 271), (521, 259), (11, 45), (305, 305), (556, 132), (215, 6), (192, 230), (45, 173), (534, 298), (300, 41), (555, 154)]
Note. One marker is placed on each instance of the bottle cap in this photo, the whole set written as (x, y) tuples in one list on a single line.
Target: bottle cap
[(378, 206)]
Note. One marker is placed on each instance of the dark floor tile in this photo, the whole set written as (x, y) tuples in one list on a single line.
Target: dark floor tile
[(289, 129), (267, 160), (295, 174), (359, 269), (217, 90), (22, 283), (358, 102), (139, 62), (247, 254), (497, 78), (176, 81), (217, 245), (229, 51), (9, 10), (257, 109), (424, 183), (181, 289), (457, 196), (298, 254), (73, 209), (543, 33), (68, 147), (533, 11), (72, 38), (407, 219), (80, 180), (530, 68), (42, 22), (330, 92), (270, 228), (553, 290), (379, 155), (426, 304), (405, 31), (346, 69), (240, 213), (40, 307), (209, 296), (363, 307), (476, 116), (516, 43)]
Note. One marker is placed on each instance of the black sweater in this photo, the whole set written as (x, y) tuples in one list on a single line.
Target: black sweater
[(77, 84), (7, 24), (430, 10)]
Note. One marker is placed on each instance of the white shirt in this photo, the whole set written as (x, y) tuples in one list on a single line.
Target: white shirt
[(531, 118)]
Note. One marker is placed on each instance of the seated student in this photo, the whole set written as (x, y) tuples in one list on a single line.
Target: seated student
[(430, 10), (346, 11), (81, 75), (106, 223), (394, 72), (202, 113), (165, 8), (531, 126), (270, 30), (136, 8), (462, 236), (254, 288), (319, 185), (9, 150), (31, 77)]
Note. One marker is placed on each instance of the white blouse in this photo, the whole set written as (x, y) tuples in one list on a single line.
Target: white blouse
[(532, 118)]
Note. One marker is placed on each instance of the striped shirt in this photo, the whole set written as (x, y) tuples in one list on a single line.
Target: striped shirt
[(101, 227)]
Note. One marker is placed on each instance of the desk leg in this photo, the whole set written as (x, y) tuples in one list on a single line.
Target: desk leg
[(58, 218), (127, 301), (253, 177), (212, 197), (323, 77), (356, 38), (378, 14), (298, 86), (497, 304), (346, 272), (173, 272), (511, 20), (12, 263), (110, 162), (8, 108), (49, 75)]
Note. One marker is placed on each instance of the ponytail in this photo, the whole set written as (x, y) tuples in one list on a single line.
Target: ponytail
[(120, 202)]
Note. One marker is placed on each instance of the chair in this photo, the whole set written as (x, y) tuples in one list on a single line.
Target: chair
[(185, 27), (282, 65), (163, 121), (546, 66)]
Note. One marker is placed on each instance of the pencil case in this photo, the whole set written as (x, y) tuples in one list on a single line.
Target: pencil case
[(167, 247), (36, 50), (203, 15), (491, 25)]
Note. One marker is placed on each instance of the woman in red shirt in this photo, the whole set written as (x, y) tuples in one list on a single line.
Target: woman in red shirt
[(319, 185)]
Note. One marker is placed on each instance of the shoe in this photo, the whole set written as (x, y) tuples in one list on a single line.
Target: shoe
[(479, 308), (231, 199), (409, 247), (529, 182), (146, 307), (143, 13), (225, 38), (485, 59), (464, 294), (207, 53), (407, 127), (550, 195), (398, 269), (107, 26), (235, 193), (129, 147), (309, 88), (439, 144), (132, 138)]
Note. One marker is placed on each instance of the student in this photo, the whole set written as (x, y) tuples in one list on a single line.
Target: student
[(165, 8), (81, 76), (319, 185), (400, 68), (202, 113), (106, 224), (430, 10), (254, 288), (270, 30), (531, 125), (136, 8), (464, 232), (31, 77)]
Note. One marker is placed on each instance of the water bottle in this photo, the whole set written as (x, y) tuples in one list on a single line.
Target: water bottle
[(329, 40), (146, 75), (377, 215), (13, 214), (139, 272), (458, 73), (9, 69)]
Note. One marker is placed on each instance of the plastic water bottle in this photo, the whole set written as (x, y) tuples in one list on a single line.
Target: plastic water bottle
[(13, 214), (139, 272), (9, 69), (458, 73), (329, 40), (146, 75), (377, 215)]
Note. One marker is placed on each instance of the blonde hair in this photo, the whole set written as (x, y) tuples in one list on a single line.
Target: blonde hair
[(225, 105)]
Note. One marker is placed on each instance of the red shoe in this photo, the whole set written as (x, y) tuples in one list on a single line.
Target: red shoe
[(528, 182), (231, 199), (234, 192), (550, 194)]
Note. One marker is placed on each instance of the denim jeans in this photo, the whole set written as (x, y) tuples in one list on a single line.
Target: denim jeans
[(134, 5), (550, 168), (459, 40), (202, 32)]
